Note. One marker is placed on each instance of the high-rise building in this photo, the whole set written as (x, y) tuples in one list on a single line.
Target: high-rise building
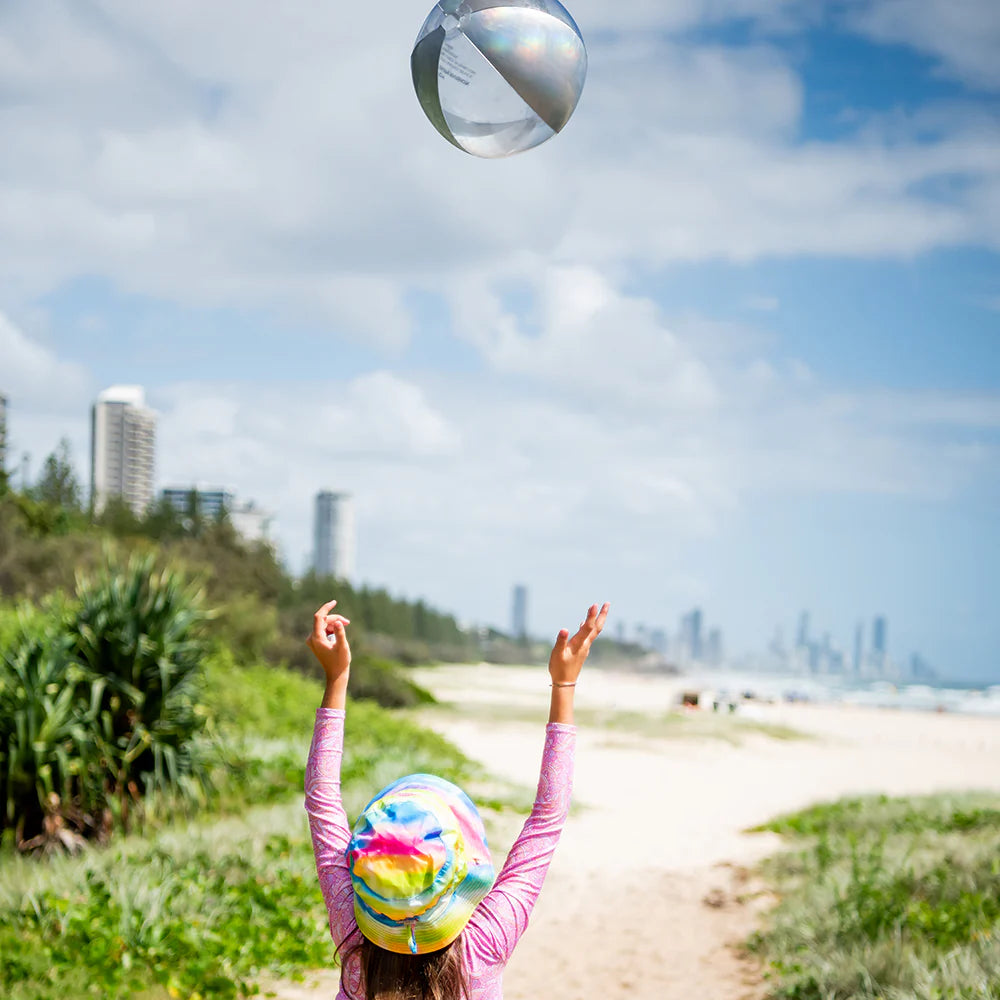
[(689, 639), (122, 448), (859, 649), (880, 637), (249, 521), (334, 540), (193, 501), (713, 648), (697, 647), (519, 612), (802, 635), (3, 435)]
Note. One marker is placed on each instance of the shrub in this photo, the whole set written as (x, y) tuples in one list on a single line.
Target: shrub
[(889, 898), (140, 632), (386, 683), (51, 758), (98, 706)]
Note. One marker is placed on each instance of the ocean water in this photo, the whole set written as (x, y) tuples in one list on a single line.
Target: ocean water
[(962, 699)]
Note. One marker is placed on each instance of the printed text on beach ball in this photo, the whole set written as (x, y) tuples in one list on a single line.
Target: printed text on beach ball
[(497, 78)]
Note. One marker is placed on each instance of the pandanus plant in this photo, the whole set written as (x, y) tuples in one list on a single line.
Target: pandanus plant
[(138, 630), (52, 770), (98, 706)]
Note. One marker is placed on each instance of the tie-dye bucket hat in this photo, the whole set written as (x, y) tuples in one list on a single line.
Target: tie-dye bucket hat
[(419, 864)]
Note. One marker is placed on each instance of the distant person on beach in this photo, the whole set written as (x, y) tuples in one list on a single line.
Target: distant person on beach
[(416, 909)]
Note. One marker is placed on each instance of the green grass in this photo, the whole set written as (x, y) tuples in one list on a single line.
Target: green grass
[(204, 906), (888, 898), (656, 725)]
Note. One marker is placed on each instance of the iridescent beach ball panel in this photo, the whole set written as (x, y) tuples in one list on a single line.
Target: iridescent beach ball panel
[(497, 78)]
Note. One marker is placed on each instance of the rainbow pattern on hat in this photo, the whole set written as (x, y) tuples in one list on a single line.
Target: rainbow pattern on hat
[(419, 864)]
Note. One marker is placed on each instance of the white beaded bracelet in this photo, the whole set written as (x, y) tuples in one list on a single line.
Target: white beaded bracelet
[(555, 685)]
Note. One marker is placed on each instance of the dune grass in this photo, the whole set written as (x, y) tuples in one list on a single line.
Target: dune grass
[(730, 728), (201, 906), (887, 898)]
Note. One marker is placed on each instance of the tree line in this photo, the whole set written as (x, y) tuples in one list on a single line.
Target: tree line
[(48, 534)]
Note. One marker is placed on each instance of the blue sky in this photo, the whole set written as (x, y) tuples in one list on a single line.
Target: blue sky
[(732, 339)]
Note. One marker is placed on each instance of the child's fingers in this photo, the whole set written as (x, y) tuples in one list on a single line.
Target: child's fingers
[(602, 618), (319, 621), (560, 645), (340, 635), (332, 620)]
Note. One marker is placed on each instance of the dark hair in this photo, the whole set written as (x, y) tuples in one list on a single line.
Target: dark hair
[(385, 975)]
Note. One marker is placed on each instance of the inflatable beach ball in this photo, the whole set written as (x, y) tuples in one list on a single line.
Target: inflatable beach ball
[(497, 77)]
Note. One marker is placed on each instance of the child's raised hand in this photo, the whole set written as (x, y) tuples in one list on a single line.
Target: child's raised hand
[(328, 641), (568, 655)]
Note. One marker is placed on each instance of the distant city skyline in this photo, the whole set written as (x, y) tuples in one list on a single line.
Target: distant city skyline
[(694, 646), (728, 342), (335, 545)]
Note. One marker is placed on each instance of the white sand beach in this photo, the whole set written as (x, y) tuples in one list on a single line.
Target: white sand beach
[(648, 892)]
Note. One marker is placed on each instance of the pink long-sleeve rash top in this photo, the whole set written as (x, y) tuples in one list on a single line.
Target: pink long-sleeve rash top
[(502, 917)]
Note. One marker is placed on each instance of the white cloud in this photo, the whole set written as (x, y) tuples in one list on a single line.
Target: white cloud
[(31, 376), (639, 15), (47, 400), (275, 159), (592, 342), (963, 34), (235, 156), (546, 446)]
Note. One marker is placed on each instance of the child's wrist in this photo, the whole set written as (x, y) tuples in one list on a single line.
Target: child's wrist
[(561, 705), (335, 695)]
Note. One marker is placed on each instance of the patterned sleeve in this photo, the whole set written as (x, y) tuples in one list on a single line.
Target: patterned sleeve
[(502, 917), (328, 821)]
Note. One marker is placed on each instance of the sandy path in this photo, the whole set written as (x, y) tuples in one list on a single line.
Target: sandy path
[(646, 896), (624, 911)]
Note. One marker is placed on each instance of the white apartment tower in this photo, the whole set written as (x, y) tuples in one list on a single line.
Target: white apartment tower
[(122, 448), (334, 539)]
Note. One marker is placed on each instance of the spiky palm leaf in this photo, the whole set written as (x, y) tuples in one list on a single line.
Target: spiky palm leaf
[(52, 767), (139, 629)]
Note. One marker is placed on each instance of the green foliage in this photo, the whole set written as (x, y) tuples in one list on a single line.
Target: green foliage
[(205, 909), (111, 706), (98, 705), (51, 753), (873, 814), (41, 548), (384, 682), (194, 923), (382, 625), (259, 701), (58, 487), (137, 630), (890, 898), (264, 718), (118, 519), (12, 621)]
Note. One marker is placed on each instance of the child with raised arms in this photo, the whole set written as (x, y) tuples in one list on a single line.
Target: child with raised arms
[(416, 908)]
